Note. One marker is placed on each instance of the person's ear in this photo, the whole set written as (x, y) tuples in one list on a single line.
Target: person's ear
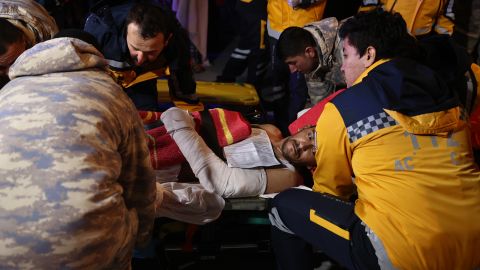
[(370, 56), (310, 52)]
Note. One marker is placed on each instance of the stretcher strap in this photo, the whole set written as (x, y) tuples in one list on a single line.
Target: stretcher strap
[(209, 134)]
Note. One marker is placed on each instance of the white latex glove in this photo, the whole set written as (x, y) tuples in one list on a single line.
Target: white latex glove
[(176, 119), (293, 3)]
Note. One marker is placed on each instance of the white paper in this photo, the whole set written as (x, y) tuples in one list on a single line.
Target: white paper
[(255, 151)]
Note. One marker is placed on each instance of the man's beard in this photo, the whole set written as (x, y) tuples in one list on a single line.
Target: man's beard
[(285, 153)]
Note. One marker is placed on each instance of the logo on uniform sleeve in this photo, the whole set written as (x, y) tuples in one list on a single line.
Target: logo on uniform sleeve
[(369, 124)]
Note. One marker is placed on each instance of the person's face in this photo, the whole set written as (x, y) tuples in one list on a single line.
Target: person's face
[(12, 53), (144, 51), (353, 65), (303, 63), (300, 148)]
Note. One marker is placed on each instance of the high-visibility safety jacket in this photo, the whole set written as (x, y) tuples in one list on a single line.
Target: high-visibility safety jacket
[(282, 16), (421, 16), (400, 134)]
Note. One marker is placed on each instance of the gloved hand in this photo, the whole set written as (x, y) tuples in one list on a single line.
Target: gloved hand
[(293, 3), (176, 119)]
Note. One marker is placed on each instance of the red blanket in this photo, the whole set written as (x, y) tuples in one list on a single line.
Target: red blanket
[(230, 127)]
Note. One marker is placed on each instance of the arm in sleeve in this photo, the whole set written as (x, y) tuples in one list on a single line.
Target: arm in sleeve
[(334, 172), (178, 56), (138, 179)]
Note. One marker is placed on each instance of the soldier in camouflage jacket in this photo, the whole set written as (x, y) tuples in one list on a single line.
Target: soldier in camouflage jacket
[(316, 51), (77, 190)]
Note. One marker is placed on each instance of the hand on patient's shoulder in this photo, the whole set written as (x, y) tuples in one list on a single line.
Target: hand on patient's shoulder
[(176, 119)]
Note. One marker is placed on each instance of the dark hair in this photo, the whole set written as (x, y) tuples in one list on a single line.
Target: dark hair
[(385, 31), (9, 34), (293, 41), (78, 34), (151, 20)]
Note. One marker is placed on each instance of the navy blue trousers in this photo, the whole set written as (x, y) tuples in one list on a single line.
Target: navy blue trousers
[(324, 222)]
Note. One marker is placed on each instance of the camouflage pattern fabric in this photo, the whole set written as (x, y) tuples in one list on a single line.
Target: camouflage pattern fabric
[(31, 18), (327, 77), (77, 190)]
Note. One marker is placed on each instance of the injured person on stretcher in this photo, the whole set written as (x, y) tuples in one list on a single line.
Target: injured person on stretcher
[(203, 202)]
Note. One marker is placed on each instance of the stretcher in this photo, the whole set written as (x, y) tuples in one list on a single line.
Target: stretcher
[(240, 214), (243, 227), (238, 94), (233, 96)]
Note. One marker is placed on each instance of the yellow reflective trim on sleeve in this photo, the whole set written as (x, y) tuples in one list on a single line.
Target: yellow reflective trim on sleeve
[(226, 130), (328, 225), (149, 75), (263, 24)]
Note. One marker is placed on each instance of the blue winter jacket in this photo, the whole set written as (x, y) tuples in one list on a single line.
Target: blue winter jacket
[(107, 24)]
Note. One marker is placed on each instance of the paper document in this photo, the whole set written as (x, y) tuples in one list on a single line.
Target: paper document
[(255, 151)]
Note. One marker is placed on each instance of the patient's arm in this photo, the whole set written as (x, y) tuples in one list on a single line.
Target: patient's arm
[(282, 178), (212, 172)]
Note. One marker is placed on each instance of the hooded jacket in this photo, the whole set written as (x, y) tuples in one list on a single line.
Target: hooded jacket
[(327, 77), (400, 132), (30, 17), (77, 189)]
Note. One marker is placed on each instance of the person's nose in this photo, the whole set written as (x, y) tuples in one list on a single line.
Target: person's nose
[(140, 58), (292, 68), (304, 145)]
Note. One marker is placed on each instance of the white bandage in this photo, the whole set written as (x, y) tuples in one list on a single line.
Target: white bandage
[(176, 118), (213, 173)]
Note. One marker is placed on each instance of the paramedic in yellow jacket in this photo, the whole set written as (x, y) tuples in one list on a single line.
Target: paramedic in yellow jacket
[(286, 13), (422, 16), (288, 93), (397, 138)]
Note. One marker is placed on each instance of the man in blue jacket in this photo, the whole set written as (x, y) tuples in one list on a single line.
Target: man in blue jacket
[(141, 43)]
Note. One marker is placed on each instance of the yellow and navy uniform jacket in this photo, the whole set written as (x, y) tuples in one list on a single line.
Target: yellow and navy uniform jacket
[(282, 16), (400, 137), (421, 16)]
